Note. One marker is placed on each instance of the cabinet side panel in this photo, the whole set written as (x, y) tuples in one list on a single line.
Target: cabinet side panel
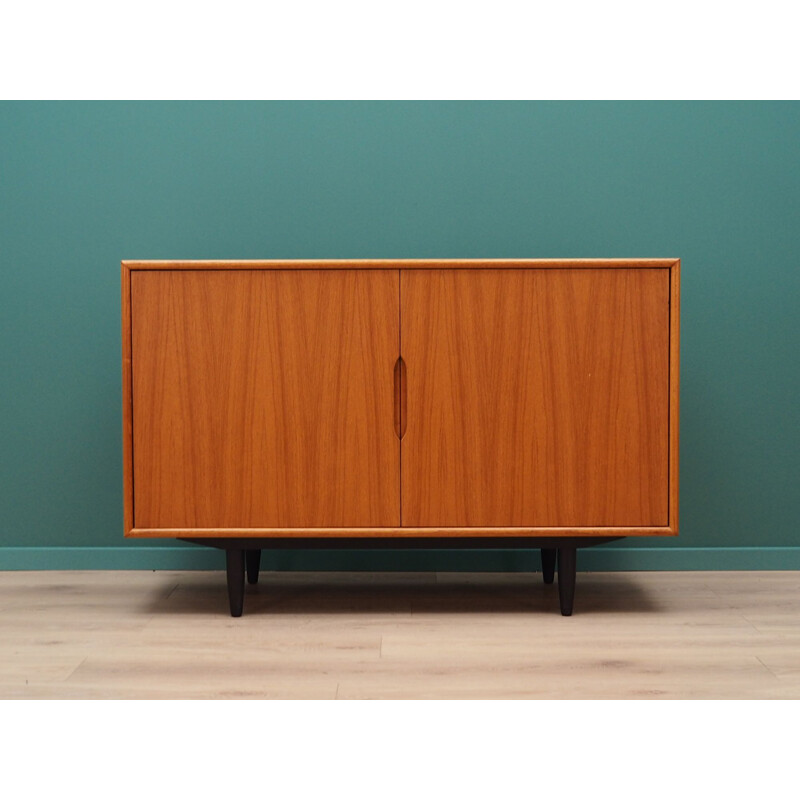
[(264, 399), (127, 401), (674, 391), (536, 397)]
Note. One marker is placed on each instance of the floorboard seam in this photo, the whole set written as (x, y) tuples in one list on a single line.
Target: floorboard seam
[(172, 591), (767, 668), (64, 680)]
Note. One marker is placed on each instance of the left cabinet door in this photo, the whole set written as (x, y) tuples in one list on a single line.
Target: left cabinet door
[(264, 398)]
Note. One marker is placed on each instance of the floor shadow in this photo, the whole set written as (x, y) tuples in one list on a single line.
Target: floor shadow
[(424, 593)]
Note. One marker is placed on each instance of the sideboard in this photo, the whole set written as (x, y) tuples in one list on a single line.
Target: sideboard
[(400, 403)]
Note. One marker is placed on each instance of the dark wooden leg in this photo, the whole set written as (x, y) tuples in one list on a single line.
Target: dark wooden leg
[(548, 563), (235, 563), (566, 579), (253, 560)]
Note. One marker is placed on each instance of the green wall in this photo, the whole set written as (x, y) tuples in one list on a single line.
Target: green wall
[(84, 185)]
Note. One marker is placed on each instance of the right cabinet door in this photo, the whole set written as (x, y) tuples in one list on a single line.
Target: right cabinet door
[(535, 397)]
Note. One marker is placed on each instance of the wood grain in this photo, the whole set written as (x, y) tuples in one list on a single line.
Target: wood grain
[(536, 397), (263, 399)]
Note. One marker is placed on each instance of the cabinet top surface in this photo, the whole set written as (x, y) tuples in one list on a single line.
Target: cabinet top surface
[(407, 263)]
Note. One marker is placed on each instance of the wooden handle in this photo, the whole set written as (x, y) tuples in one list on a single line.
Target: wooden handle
[(400, 397)]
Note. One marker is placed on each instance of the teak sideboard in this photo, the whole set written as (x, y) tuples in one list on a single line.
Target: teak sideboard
[(386, 403)]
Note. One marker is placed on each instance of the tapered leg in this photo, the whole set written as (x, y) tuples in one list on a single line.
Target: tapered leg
[(566, 579), (548, 563), (235, 564), (253, 560)]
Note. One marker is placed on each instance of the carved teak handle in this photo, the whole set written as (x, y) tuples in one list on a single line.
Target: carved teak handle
[(400, 397)]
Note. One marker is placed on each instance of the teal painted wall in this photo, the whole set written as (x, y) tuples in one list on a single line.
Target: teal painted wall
[(83, 185)]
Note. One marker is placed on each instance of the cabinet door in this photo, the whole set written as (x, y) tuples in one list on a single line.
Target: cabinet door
[(535, 397), (264, 399)]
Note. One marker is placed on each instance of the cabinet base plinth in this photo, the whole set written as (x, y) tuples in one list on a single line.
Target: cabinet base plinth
[(243, 556)]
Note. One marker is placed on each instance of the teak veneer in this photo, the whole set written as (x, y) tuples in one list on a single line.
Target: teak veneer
[(415, 402)]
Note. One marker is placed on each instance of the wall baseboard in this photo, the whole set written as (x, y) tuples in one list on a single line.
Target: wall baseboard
[(593, 559)]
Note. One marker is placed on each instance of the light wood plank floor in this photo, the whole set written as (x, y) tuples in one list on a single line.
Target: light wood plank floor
[(392, 635)]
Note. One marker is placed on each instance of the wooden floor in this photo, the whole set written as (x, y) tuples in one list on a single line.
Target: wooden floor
[(391, 635)]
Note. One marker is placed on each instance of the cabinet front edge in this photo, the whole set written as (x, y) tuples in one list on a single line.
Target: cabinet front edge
[(405, 263), (399, 533)]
